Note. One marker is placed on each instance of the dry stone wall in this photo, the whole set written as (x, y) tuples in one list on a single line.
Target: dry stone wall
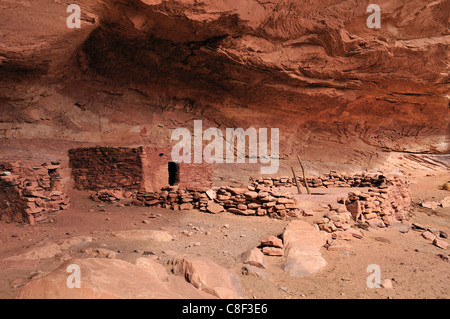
[(243, 201), (379, 207), (106, 167), (143, 168), (332, 179), (29, 192)]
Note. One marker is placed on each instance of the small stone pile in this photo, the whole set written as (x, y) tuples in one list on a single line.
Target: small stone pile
[(339, 225), (332, 179), (111, 195), (29, 192), (336, 218), (272, 246), (380, 207)]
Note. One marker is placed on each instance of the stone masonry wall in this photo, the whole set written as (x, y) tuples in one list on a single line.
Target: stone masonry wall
[(243, 201), (332, 179), (383, 206), (106, 167), (137, 169), (379, 207), (29, 192)]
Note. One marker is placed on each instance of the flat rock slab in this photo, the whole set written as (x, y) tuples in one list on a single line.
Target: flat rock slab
[(75, 241), (206, 275), (41, 250), (302, 242), (157, 235), (110, 279)]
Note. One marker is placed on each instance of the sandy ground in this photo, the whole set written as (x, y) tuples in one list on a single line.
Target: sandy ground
[(409, 260)]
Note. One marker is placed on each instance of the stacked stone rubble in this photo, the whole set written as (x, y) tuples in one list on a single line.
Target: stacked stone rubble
[(29, 192), (380, 207), (175, 198)]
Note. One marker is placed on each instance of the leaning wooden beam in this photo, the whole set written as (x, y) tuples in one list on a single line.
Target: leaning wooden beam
[(304, 176), (296, 181)]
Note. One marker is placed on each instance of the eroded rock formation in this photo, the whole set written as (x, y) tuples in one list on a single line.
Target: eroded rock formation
[(135, 70)]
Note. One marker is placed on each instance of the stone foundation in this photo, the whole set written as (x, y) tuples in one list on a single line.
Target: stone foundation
[(29, 192)]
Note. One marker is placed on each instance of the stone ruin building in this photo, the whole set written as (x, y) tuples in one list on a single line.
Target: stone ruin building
[(29, 192), (149, 176), (143, 168)]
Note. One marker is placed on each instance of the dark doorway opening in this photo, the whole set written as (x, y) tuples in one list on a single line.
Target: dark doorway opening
[(174, 173)]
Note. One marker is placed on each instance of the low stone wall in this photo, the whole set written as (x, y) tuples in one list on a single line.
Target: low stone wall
[(332, 179), (379, 207), (234, 200), (29, 192), (243, 201)]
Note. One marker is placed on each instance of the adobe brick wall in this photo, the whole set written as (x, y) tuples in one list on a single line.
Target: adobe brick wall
[(29, 192), (155, 169)]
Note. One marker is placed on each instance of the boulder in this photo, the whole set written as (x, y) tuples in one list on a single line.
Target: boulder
[(74, 242), (440, 243), (41, 250), (107, 279), (206, 275), (401, 227), (428, 235), (254, 257), (302, 243), (430, 204)]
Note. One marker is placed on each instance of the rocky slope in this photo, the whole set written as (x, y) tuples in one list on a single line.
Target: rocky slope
[(340, 93)]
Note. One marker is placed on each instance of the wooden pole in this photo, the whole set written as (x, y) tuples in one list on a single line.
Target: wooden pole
[(304, 176), (296, 182)]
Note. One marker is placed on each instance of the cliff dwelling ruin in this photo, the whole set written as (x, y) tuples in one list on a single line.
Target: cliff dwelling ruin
[(313, 150)]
